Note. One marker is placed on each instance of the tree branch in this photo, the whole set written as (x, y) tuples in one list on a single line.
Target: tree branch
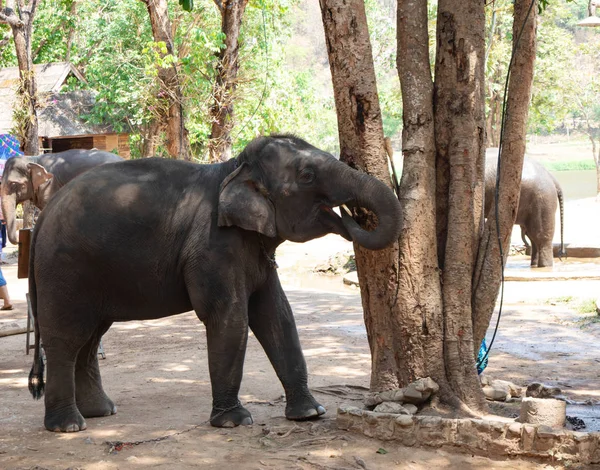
[(32, 7), (9, 17)]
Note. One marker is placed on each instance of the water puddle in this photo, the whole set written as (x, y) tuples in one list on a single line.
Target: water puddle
[(567, 265)]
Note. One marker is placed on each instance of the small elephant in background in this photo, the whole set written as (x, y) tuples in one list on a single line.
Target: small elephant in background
[(540, 192), (37, 179)]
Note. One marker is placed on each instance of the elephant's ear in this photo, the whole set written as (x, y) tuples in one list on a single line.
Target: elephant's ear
[(39, 175), (242, 203)]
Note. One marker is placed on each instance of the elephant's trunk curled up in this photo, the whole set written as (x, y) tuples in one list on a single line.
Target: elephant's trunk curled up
[(370, 193)]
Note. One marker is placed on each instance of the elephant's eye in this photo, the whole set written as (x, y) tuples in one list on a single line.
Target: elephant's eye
[(306, 176)]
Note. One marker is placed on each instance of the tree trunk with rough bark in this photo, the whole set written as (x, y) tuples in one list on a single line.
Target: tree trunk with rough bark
[(172, 116), (486, 279), (420, 309), (25, 113), (362, 147), (421, 304), (221, 112), (460, 144)]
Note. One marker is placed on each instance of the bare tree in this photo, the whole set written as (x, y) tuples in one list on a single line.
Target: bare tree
[(171, 116), (221, 112), (427, 298)]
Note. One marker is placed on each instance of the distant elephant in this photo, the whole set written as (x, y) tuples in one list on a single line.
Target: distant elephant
[(150, 238), (537, 207), (37, 179)]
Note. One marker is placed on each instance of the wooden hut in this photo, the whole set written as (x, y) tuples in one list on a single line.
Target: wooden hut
[(59, 117)]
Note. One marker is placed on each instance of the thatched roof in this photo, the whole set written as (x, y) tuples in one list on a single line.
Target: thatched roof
[(59, 113), (60, 116)]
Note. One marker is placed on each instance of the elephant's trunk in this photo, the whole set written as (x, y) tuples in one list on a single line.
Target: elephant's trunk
[(9, 208), (370, 193)]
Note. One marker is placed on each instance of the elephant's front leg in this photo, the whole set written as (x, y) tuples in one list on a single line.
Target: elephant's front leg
[(227, 336), (272, 321)]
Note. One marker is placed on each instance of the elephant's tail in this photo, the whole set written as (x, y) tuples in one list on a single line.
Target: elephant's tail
[(36, 376), (561, 206)]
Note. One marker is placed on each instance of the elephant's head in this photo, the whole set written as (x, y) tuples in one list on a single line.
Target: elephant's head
[(284, 187), (23, 180)]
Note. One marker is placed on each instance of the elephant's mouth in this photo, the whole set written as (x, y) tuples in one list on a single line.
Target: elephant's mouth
[(334, 221)]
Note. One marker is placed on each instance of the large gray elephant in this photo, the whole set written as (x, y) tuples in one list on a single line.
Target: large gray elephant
[(150, 238), (540, 193), (37, 179)]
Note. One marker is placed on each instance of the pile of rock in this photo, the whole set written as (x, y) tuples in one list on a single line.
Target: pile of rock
[(402, 401), (499, 390)]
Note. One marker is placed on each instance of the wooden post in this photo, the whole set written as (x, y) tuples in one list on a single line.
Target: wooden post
[(24, 245)]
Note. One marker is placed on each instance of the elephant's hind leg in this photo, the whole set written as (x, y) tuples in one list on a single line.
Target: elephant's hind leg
[(91, 400), (62, 414), (272, 321)]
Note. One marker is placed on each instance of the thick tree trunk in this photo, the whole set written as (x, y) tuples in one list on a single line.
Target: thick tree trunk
[(178, 145), (460, 132), (221, 112), (486, 281), (362, 146), (421, 332), (25, 115)]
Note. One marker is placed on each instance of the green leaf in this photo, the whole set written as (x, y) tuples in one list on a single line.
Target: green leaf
[(382, 451)]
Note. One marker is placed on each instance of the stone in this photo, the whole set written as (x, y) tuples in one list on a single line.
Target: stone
[(412, 409), (527, 438), (391, 407), (416, 393), (515, 390), (545, 411), (380, 397), (500, 390), (496, 394), (412, 395), (548, 432), (538, 390), (485, 379), (404, 421), (420, 390), (515, 429)]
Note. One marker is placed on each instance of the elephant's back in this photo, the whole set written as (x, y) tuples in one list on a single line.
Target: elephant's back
[(129, 205), (126, 227)]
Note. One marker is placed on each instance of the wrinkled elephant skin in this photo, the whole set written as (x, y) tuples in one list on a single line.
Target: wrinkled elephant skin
[(150, 238), (37, 179)]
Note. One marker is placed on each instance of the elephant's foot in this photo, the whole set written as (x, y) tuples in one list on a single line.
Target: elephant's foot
[(230, 418), (302, 408), (96, 406), (65, 420)]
